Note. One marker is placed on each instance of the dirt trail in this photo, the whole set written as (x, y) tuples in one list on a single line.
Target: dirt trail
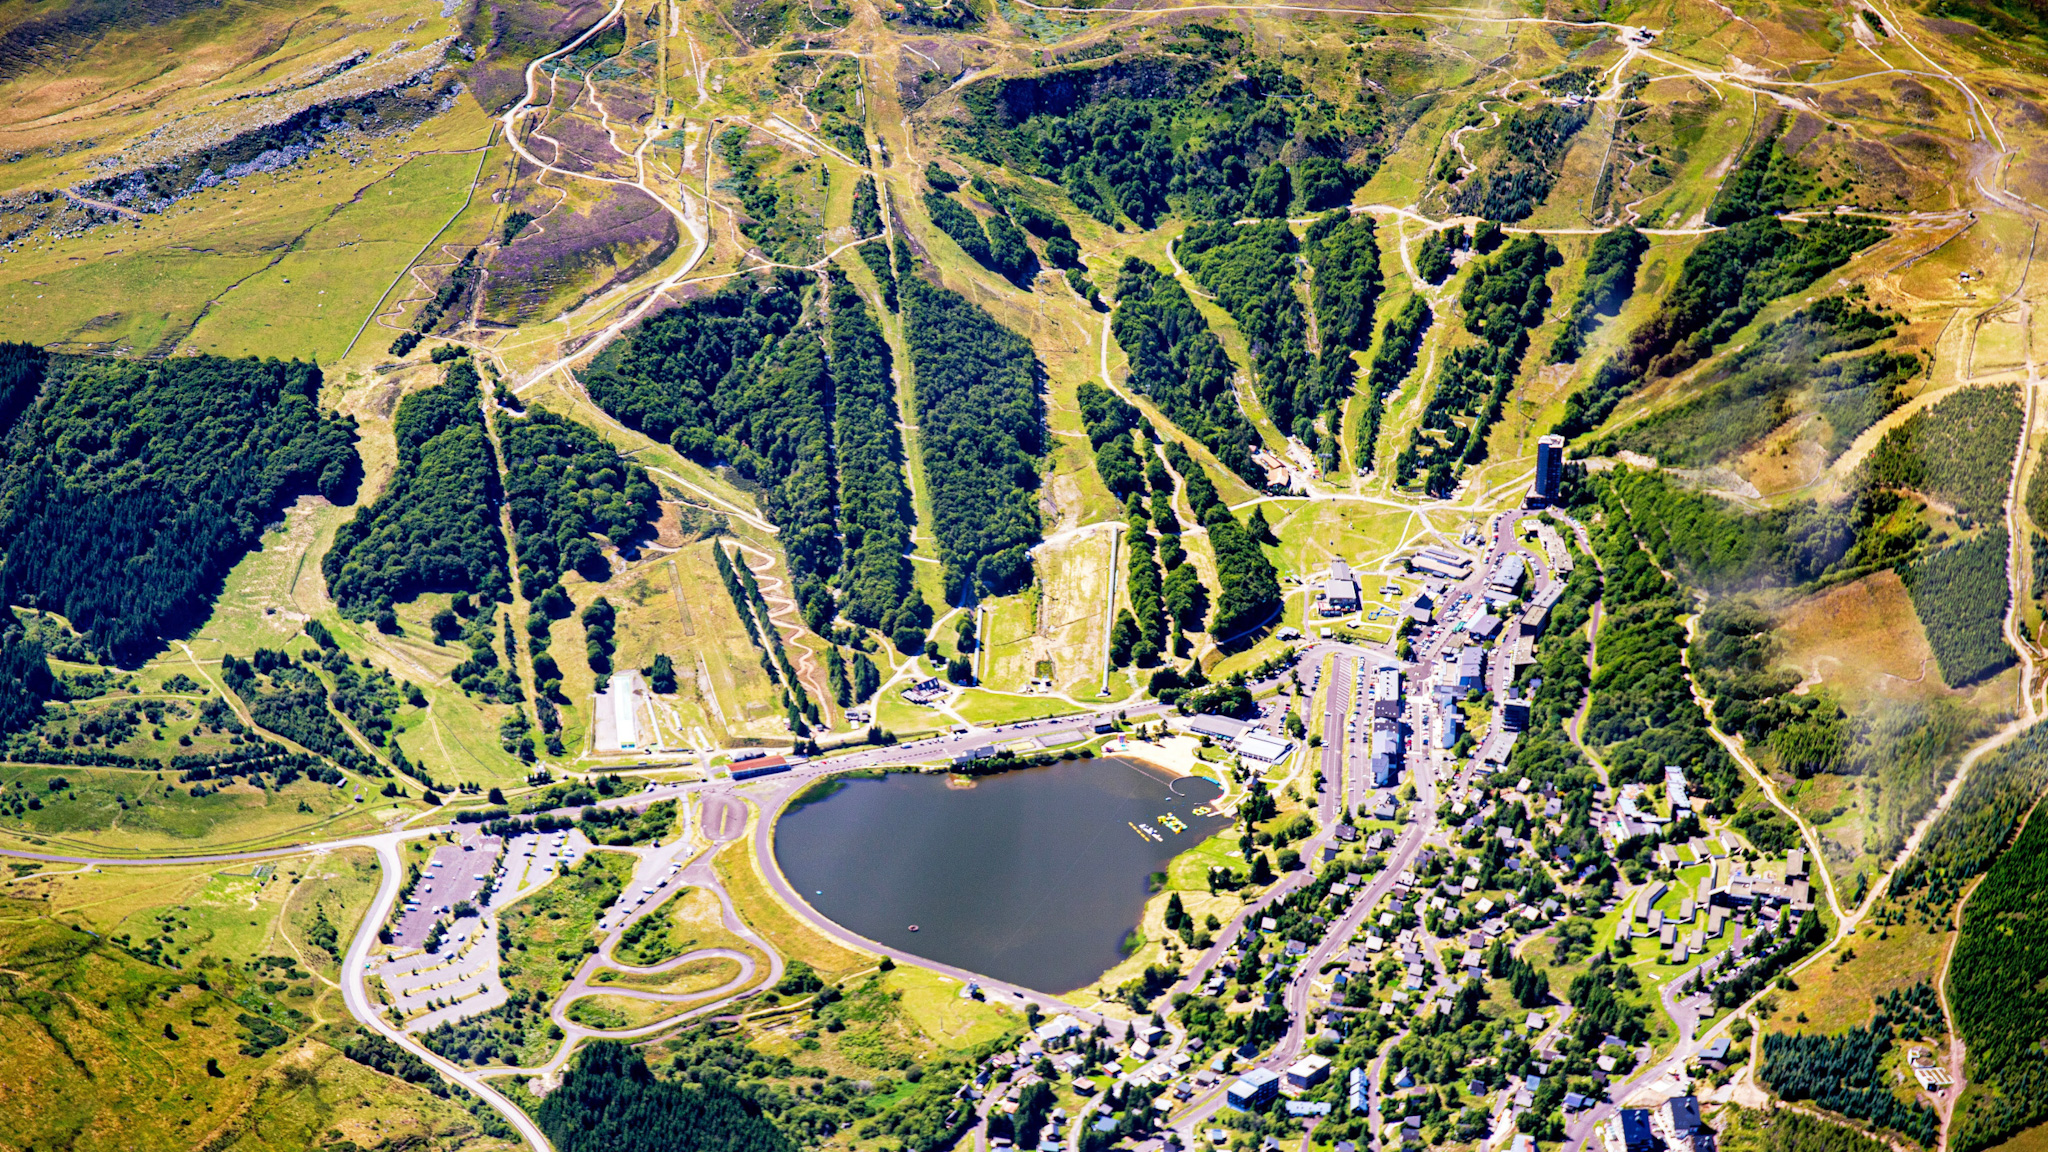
[(101, 205), (241, 711), (781, 604)]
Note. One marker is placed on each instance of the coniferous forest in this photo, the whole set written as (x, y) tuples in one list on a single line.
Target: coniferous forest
[(610, 1101), (981, 430), (564, 484), (874, 503), (435, 525), (129, 488), (1178, 362), (1996, 993)]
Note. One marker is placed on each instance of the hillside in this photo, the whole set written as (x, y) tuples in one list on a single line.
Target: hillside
[(412, 411)]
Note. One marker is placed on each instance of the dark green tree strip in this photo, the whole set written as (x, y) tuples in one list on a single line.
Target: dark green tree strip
[(1251, 271), (867, 210), (1250, 584), (1180, 365), (129, 488), (22, 368), (959, 222), (1147, 609), (563, 484), (1610, 280), (435, 526), (1400, 342), (1990, 802), (874, 502), (783, 434), (1345, 253), (981, 428), (1106, 415), (1766, 182), (744, 608), (875, 255), (1008, 253), (1109, 420)]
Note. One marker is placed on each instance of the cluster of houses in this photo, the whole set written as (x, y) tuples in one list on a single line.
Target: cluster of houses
[(1685, 931)]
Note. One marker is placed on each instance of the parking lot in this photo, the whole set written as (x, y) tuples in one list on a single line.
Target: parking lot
[(534, 858), (455, 873)]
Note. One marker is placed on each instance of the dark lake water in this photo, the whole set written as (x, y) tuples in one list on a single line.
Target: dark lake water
[(1033, 877)]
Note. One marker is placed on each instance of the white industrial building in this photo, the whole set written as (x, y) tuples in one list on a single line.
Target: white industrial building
[(621, 693)]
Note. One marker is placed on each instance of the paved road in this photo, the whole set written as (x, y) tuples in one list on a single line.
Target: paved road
[(719, 796), (1338, 740), (653, 872), (355, 993)]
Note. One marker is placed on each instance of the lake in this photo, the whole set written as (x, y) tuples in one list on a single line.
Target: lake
[(1033, 877)]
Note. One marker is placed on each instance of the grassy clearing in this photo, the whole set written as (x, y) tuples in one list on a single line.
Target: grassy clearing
[(1366, 536), (160, 288), (934, 1004), (313, 300), (615, 1012), (682, 980), (556, 927), (334, 889), (990, 708), (1189, 871), (784, 932), (746, 698), (689, 920), (127, 811), (891, 1021), (128, 982), (271, 592), (907, 721), (656, 618), (1058, 622), (1833, 996), (138, 286)]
